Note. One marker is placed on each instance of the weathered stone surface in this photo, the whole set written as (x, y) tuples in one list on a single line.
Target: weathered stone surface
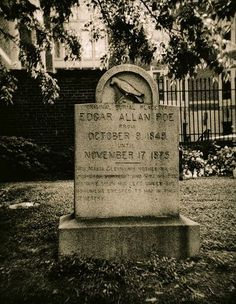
[(109, 90), (126, 161), (126, 175), (129, 238)]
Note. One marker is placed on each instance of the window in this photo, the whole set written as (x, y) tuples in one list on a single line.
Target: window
[(87, 46), (91, 50), (58, 50)]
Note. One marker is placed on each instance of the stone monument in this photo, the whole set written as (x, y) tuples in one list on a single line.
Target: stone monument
[(127, 174)]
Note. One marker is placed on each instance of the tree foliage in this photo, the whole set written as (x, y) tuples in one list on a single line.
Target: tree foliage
[(193, 33), (46, 20)]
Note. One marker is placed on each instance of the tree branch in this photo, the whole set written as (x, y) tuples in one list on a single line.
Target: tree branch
[(156, 19), (9, 36), (103, 12)]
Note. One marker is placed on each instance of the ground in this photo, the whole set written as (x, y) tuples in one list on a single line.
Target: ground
[(31, 273)]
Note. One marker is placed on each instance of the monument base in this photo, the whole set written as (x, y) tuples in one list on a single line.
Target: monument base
[(128, 238)]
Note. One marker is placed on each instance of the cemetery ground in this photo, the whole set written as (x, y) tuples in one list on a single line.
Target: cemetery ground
[(31, 273)]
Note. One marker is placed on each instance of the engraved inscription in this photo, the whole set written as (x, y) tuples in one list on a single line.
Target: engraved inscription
[(125, 161)]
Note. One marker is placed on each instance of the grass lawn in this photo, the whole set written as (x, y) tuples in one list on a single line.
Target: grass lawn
[(30, 272)]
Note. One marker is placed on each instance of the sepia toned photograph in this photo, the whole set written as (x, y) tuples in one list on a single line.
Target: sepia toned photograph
[(117, 151)]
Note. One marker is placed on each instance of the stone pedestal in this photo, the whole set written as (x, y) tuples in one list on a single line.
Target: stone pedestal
[(128, 238)]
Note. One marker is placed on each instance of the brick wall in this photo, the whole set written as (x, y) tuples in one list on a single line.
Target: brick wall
[(52, 125)]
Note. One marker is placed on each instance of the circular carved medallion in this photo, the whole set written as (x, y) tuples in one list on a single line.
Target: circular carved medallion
[(127, 83)]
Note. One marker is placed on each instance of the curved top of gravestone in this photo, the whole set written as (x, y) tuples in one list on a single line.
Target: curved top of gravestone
[(127, 83)]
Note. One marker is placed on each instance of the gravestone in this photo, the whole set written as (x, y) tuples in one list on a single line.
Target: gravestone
[(127, 174)]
